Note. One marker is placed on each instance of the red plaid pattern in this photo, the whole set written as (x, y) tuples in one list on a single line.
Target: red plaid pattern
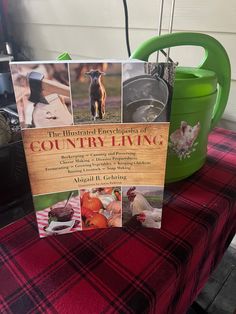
[(128, 270)]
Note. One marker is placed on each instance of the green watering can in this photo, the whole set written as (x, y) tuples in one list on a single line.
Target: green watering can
[(199, 98)]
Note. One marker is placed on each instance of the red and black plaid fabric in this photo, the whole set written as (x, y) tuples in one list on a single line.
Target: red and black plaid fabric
[(128, 270)]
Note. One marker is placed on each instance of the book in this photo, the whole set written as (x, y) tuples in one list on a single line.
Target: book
[(95, 136)]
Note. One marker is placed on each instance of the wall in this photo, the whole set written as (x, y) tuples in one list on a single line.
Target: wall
[(90, 29)]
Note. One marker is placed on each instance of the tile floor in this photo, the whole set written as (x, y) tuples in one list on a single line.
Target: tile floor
[(219, 294)]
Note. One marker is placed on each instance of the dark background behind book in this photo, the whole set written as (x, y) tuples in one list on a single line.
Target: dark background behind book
[(15, 194)]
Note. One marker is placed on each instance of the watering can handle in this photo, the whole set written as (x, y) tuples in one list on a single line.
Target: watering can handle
[(215, 59)]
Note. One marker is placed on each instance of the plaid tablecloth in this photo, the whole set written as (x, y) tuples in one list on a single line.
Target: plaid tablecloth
[(128, 270)]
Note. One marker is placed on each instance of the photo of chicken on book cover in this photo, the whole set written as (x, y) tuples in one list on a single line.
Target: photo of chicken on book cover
[(95, 136)]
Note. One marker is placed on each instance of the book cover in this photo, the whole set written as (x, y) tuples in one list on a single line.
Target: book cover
[(95, 136)]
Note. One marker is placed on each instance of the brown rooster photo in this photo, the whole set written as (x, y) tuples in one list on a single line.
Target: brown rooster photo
[(142, 206)]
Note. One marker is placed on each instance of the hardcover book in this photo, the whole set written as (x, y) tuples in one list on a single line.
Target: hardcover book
[(95, 136)]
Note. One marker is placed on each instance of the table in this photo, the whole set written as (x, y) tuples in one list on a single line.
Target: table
[(128, 270)]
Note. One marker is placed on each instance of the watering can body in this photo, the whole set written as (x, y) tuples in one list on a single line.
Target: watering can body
[(199, 98)]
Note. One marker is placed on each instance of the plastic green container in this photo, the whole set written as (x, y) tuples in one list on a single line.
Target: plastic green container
[(199, 99), (64, 56)]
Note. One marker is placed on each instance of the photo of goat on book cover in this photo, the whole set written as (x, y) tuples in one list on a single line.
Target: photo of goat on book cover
[(95, 136)]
